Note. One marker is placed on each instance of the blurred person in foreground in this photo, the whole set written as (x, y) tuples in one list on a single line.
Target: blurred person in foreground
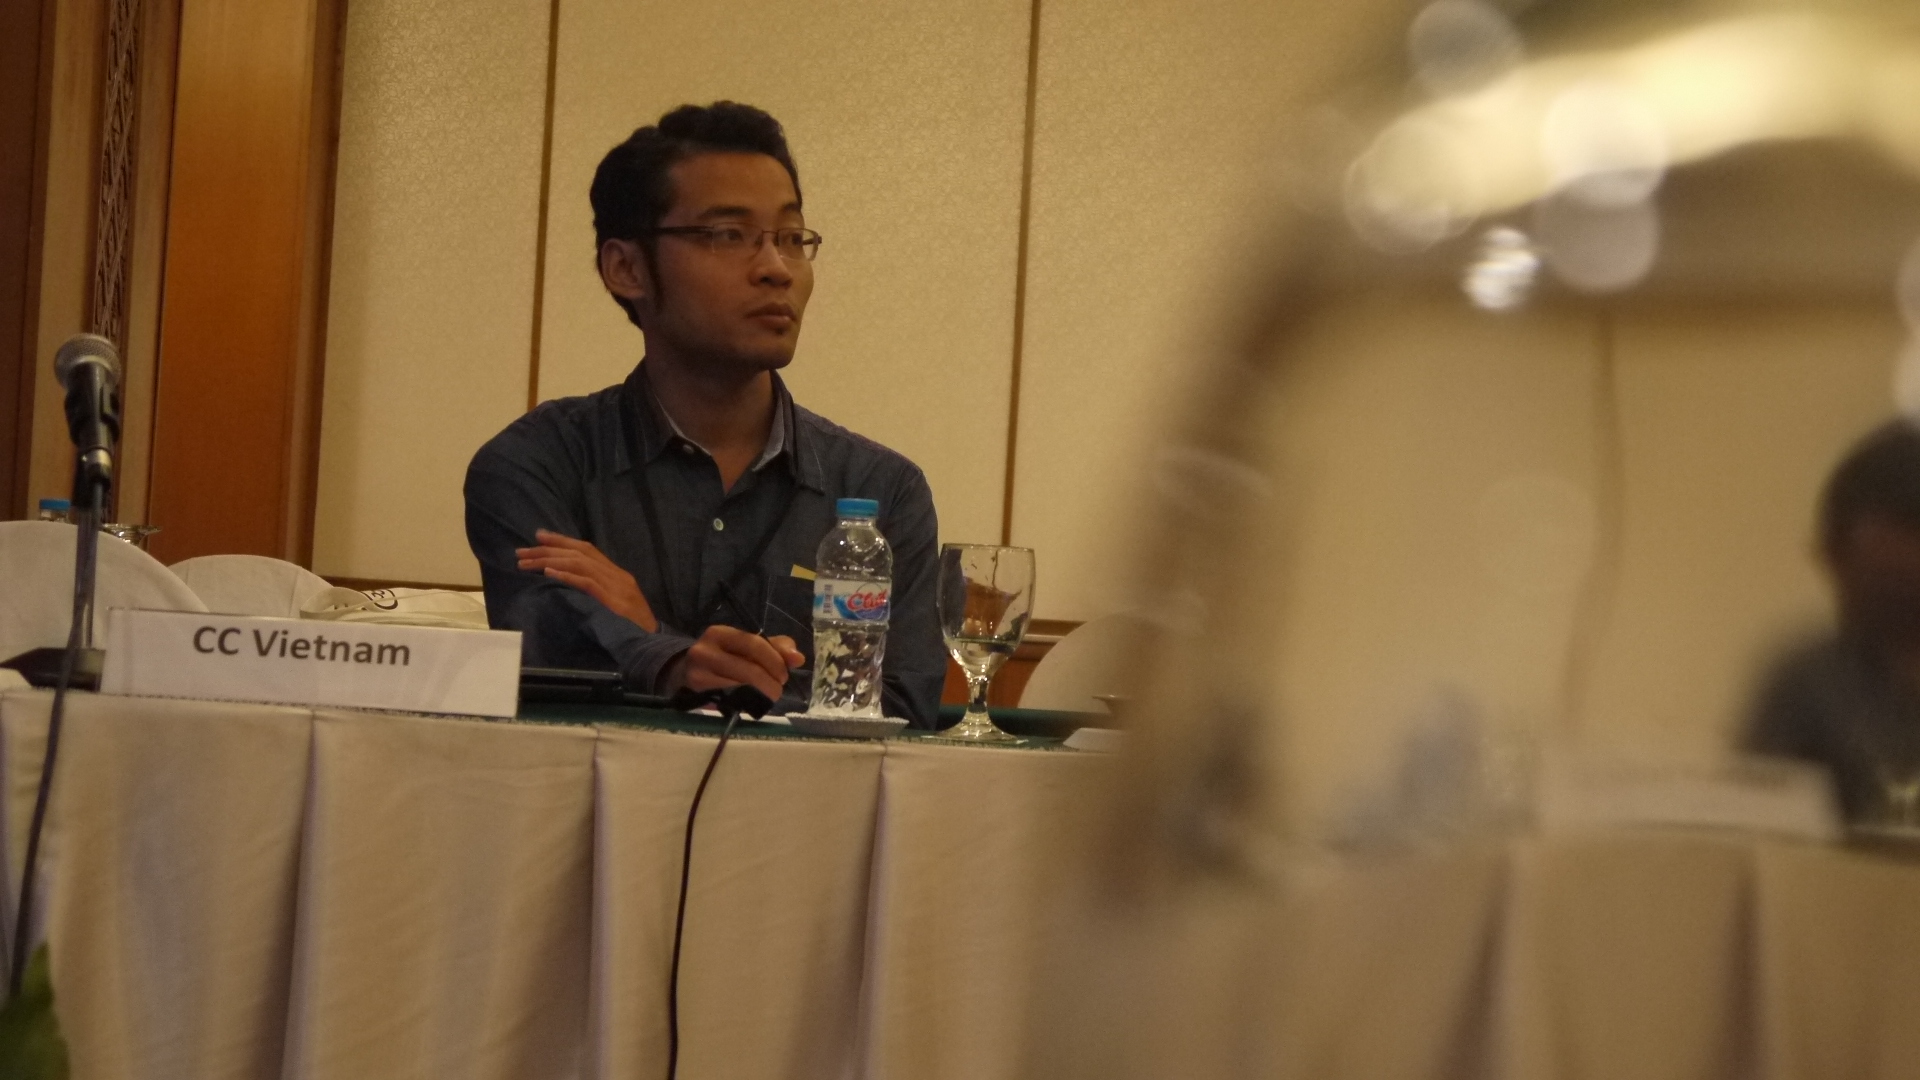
[(666, 527), (1851, 700)]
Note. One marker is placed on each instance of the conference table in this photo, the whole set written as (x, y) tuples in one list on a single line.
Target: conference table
[(250, 891)]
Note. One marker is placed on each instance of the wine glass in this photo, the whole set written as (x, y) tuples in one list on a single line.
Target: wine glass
[(986, 598), (1899, 796)]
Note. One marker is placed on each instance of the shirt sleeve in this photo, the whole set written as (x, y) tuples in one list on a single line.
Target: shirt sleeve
[(515, 486), (916, 664)]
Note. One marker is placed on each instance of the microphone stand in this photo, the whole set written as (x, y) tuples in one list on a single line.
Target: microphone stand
[(92, 478)]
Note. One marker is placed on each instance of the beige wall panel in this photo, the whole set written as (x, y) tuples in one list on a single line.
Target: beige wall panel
[(1731, 419), (1444, 495), (906, 121), (430, 314), (1436, 517), (1155, 120)]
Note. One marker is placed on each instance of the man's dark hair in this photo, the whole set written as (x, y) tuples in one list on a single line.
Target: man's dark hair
[(632, 190), (1880, 476)]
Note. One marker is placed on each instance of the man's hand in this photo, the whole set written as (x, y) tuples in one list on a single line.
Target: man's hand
[(730, 656), (583, 566)]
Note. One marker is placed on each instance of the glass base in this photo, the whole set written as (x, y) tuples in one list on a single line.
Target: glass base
[(978, 728)]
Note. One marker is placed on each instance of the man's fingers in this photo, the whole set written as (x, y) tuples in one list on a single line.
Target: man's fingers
[(755, 648), (554, 557), (698, 678), (597, 576), (710, 667), (543, 555), (579, 581), (574, 554), (572, 561), (788, 649)]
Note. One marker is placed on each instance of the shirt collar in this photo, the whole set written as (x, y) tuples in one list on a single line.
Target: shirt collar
[(777, 434), (658, 432)]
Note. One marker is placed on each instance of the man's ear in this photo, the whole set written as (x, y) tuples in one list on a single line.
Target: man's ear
[(623, 270)]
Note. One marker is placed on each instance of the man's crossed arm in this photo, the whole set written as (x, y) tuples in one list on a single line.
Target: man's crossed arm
[(723, 656)]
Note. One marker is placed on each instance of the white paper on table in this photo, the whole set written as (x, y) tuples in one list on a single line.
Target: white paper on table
[(1583, 789), (1099, 740)]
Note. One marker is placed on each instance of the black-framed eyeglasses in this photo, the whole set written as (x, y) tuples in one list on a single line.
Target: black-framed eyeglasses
[(793, 244)]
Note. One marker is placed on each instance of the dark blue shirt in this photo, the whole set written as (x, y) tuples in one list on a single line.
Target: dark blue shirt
[(1836, 702), (566, 466)]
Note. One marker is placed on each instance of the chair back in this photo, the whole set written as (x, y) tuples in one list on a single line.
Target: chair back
[(1088, 661), (36, 584), (250, 584)]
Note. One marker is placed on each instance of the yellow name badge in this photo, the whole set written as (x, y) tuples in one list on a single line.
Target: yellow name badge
[(801, 572)]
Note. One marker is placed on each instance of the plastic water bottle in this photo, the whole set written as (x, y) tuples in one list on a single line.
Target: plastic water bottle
[(852, 594)]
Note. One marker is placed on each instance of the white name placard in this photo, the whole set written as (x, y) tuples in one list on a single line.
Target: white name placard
[(306, 662)]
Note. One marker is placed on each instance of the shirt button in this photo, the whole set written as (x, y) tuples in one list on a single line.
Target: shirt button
[(718, 525)]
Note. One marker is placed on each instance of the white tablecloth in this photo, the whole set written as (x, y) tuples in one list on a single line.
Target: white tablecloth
[(1642, 955), (245, 891), (249, 891)]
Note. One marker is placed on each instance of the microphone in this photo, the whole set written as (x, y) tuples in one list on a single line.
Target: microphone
[(88, 366)]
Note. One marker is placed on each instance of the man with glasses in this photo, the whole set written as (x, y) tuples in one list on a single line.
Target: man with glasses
[(666, 527)]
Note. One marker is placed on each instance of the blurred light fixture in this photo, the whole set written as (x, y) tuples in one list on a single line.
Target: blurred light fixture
[(1597, 249), (1501, 278), (1458, 45), (1609, 123), (1396, 216), (1603, 145)]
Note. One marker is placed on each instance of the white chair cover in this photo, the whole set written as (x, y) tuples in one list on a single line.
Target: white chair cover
[(250, 584), (1084, 663), (36, 584)]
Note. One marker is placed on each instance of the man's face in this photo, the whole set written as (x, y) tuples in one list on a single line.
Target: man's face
[(738, 313), (1877, 574)]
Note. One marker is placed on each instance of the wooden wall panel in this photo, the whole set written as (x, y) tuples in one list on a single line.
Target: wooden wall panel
[(70, 187), (233, 413), (21, 96), (153, 158)]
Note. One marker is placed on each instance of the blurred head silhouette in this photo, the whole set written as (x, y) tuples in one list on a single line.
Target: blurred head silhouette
[(1870, 537)]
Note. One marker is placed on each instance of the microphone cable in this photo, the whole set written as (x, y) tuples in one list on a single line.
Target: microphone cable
[(79, 635), (735, 702)]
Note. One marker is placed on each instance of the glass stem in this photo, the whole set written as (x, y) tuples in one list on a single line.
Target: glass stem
[(977, 698), (1906, 802)]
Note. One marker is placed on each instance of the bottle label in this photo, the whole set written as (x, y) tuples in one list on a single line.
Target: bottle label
[(851, 601)]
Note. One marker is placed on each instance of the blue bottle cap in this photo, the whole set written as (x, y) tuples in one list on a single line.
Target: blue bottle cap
[(61, 505), (857, 508)]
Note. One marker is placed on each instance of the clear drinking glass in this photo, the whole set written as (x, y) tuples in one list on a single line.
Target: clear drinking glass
[(1899, 796), (986, 598)]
